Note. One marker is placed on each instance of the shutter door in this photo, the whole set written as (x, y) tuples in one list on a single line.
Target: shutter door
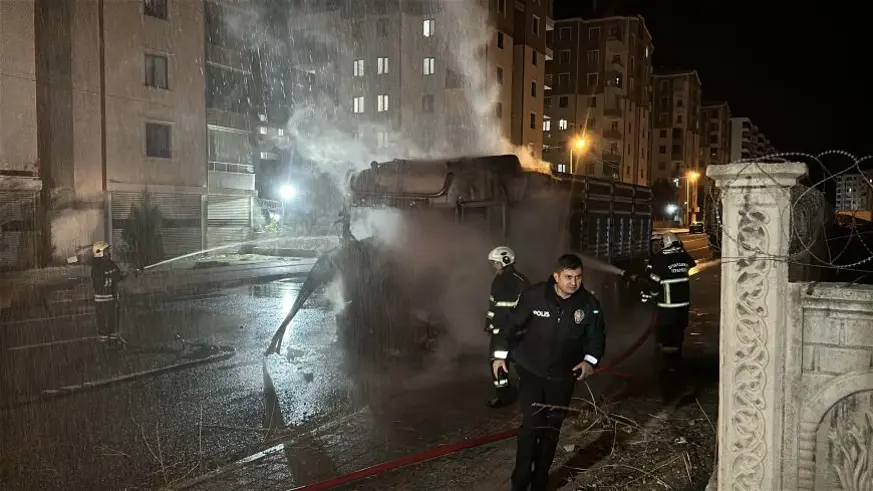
[(180, 231), (229, 220), (17, 222)]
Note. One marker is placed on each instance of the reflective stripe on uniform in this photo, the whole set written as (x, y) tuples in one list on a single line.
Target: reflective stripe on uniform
[(104, 298), (590, 359), (495, 331), (501, 355), (490, 314), (506, 304)]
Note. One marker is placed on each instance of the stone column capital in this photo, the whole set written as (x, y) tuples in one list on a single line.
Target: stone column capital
[(756, 174)]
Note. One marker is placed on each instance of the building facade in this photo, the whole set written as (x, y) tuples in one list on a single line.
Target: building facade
[(676, 137), (121, 112), (715, 140), (415, 78), (233, 122), (854, 194), (20, 185), (599, 108), (747, 141)]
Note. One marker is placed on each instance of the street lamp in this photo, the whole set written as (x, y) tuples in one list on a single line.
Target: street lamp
[(690, 178), (578, 144)]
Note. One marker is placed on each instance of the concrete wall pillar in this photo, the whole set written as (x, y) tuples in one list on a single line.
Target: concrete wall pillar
[(753, 345)]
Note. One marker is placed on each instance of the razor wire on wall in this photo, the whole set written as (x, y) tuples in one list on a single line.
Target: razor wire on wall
[(828, 242)]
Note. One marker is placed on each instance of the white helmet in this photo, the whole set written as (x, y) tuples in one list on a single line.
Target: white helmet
[(99, 248), (502, 254), (669, 240)]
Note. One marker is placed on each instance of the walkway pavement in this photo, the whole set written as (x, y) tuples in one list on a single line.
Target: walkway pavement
[(488, 466)]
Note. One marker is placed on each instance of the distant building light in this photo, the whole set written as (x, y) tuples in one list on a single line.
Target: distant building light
[(262, 130)]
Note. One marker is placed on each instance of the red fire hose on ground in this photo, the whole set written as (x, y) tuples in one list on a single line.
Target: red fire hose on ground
[(443, 450)]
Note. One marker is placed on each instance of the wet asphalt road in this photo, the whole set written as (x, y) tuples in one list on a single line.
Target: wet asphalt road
[(159, 431)]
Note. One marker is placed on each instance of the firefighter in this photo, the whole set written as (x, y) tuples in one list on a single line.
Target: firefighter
[(105, 276), (668, 274), (506, 290), (563, 339)]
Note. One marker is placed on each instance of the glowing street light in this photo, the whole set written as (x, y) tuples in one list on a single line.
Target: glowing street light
[(287, 192), (690, 178), (671, 209), (578, 144)]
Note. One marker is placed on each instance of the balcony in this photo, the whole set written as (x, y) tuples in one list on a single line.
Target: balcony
[(550, 54), (550, 24), (611, 158), (612, 135), (612, 111), (231, 176), (547, 82)]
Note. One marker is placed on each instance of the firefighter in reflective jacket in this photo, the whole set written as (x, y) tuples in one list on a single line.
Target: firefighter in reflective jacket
[(668, 274), (506, 290), (105, 276)]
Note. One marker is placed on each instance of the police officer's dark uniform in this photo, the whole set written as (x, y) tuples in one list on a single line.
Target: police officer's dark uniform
[(668, 273), (559, 334), (506, 290), (105, 276)]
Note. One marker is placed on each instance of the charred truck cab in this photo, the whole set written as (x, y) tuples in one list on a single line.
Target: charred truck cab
[(601, 218)]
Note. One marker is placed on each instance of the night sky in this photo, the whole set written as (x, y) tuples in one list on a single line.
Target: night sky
[(797, 72)]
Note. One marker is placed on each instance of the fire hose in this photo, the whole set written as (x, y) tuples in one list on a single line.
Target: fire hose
[(450, 448)]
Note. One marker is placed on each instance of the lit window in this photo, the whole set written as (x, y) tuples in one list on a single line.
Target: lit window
[(381, 139), (562, 124), (382, 65), (382, 103), (547, 125), (427, 28), (359, 68), (359, 104), (428, 66)]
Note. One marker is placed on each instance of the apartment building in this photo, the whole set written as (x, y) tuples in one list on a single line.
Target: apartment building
[(747, 141), (20, 185), (407, 79), (233, 123), (854, 194), (676, 137), (599, 108), (715, 140), (532, 22), (121, 111)]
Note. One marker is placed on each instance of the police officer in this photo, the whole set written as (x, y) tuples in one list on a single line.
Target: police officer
[(564, 338), (105, 276), (668, 271), (506, 290)]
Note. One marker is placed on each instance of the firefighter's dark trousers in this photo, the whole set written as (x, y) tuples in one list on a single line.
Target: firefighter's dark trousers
[(107, 317), (540, 428), (671, 329)]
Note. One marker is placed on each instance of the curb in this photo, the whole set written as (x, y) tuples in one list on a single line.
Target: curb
[(48, 394), (237, 464)]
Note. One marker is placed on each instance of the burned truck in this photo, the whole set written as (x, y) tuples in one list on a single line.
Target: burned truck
[(600, 218), (402, 296)]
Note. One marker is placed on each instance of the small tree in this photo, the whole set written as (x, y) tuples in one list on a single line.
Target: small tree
[(143, 244)]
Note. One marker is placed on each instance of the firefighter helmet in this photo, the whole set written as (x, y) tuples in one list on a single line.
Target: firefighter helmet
[(502, 255), (99, 248), (670, 240)]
